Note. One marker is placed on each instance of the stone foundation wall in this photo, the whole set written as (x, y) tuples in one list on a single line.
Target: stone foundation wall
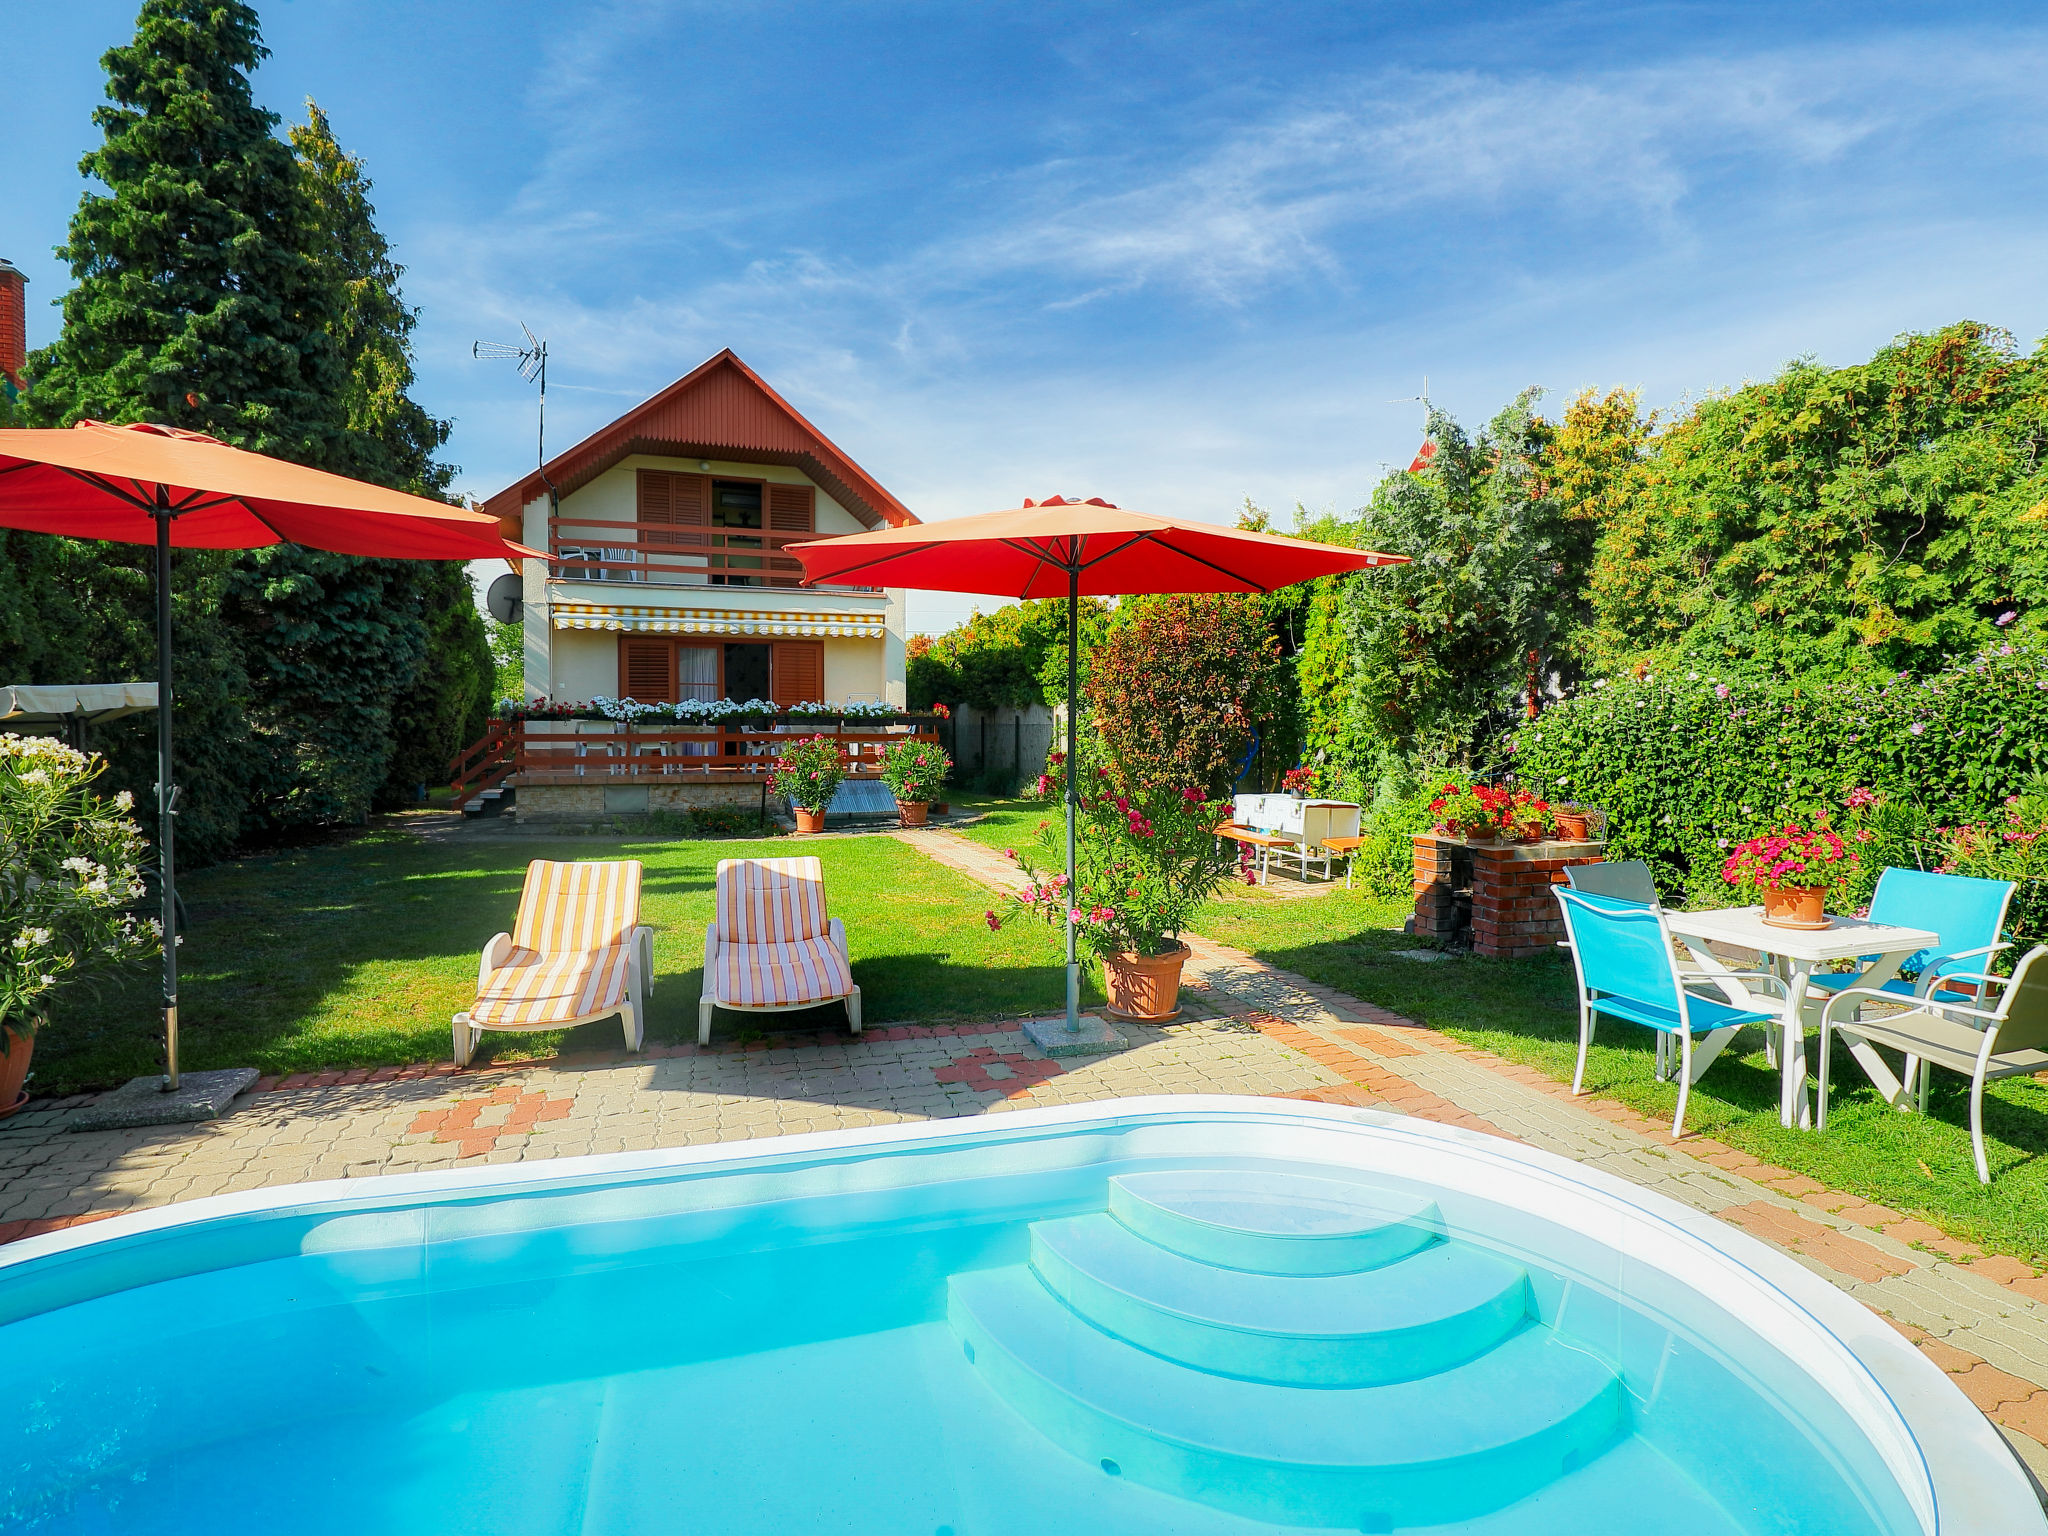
[(1513, 913), (539, 804)]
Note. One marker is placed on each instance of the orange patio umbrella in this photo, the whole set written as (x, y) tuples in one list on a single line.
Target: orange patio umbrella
[(147, 484), (1076, 549)]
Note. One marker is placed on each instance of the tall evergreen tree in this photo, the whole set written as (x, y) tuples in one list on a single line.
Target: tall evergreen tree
[(225, 285), (393, 439), (197, 300)]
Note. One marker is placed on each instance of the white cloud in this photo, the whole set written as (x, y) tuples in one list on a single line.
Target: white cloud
[(1239, 318)]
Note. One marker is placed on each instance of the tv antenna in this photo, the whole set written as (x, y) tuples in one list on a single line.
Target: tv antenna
[(533, 366), (1423, 398)]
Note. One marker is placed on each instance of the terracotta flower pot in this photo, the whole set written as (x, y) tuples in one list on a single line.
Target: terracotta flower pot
[(809, 821), (15, 1051), (1571, 826), (1795, 906), (911, 813), (1144, 987)]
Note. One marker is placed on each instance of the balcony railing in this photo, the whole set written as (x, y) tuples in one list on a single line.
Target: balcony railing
[(665, 554), (579, 751)]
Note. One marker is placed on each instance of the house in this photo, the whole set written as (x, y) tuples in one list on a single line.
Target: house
[(671, 585)]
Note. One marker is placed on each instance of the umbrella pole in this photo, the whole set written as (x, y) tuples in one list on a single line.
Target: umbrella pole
[(1073, 752), (166, 795)]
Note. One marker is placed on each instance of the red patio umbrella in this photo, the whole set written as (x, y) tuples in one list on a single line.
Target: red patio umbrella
[(143, 484), (1072, 549)]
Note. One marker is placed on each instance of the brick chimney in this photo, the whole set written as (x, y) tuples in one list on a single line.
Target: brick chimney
[(13, 322)]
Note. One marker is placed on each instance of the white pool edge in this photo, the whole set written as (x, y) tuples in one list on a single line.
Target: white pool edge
[(1956, 1472)]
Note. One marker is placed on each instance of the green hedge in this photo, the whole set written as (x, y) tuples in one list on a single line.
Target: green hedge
[(1686, 763)]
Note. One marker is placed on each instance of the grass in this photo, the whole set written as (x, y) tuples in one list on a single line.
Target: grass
[(1523, 1010), (355, 954)]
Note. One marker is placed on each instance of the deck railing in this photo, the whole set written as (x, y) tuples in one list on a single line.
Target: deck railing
[(574, 751), (671, 555)]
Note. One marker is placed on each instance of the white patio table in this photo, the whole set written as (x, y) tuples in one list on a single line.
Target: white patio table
[(1794, 953)]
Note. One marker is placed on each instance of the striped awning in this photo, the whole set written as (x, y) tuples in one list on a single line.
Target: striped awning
[(721, 621)]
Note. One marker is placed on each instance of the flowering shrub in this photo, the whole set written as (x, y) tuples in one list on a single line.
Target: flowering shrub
[(2013, 845), (916, 770), (1677, 759), (1298, 781), (1791, 857), (68, 873), (809, 772), (1143, 864), (1179, 687)]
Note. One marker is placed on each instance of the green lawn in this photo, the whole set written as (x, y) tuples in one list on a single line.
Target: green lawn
[(355, 954), (1523, 1010)]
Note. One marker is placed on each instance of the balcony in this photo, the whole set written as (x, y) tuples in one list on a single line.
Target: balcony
[(671, 555)]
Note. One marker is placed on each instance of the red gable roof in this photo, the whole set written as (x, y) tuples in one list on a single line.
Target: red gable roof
[(720, 410)]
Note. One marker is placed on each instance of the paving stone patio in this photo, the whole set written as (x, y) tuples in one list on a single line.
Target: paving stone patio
[(1248, 1029)]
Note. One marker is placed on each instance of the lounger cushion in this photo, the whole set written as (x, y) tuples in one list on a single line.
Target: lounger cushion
[(577, 908), (534, 990), (780, 975), (770, 901), (570, 946)]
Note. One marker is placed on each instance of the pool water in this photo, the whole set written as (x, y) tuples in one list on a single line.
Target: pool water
[(1139, 1339)]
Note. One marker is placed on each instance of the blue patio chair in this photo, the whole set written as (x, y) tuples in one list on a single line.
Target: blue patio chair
[(1622, 951), (1967, 912), (1624, 880)]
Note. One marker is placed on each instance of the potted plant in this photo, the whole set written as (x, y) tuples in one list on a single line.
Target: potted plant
[(1527, 818), (68, 873), (808, 771), (1793, 870), (1572, 822), (1298, 781), (916, 774), (1459, 811), (1144, 862)]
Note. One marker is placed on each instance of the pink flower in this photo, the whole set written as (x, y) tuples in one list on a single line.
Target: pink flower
[(1100, 916), (1720, 690), (2006, 618), (1009, 853), (1860, 797), (1193, 797), (1918, 727), (1076, 915), (994, 922)]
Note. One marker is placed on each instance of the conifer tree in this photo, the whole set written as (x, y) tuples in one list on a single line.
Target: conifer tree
[(197, 301), (393, 439)]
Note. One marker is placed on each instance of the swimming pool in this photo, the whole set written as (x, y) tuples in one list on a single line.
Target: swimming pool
[(1186, 1315)]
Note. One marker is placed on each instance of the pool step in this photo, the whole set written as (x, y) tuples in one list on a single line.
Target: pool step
[(1273, 1223), (1201, 1339), (1442, 1306)]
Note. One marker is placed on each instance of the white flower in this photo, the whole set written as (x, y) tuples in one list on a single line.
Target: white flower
[(124, 801), (35, 776), (78, 865)]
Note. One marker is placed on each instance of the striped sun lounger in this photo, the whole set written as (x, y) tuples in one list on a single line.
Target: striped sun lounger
[(771, 949), (576, 953)]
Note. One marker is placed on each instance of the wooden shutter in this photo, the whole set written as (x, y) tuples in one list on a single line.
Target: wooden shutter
[(672, 501), (791, 508), (647, 670), (796, 672)]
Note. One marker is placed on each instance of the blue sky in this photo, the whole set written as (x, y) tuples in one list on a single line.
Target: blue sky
[(1175, 256)]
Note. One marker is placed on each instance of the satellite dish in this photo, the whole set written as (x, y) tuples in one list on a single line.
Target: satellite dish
[(504, 599)]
